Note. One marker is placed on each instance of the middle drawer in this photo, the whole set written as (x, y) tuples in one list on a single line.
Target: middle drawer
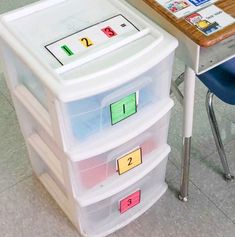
[(103, 169)]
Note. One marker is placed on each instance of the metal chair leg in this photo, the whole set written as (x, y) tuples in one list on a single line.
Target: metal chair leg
[(216, 134), (175, 90)]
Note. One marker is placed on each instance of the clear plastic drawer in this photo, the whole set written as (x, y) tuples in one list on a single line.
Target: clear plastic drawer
[(95, 116), (84, 120), (104, 169)]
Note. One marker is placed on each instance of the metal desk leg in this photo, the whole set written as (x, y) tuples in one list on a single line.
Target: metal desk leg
[(188, 105)]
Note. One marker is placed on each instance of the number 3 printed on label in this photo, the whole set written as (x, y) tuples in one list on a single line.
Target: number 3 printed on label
[(130, 201), (109, 31)]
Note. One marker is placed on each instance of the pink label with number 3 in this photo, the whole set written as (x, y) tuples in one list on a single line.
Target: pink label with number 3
[(109, 31), (130, 201)]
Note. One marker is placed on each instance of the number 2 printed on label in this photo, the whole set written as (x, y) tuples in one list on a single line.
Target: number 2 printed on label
[(129, 161), (68, 49), (86, 42)]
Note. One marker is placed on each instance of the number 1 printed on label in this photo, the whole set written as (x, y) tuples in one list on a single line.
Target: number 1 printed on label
[(67, 50)]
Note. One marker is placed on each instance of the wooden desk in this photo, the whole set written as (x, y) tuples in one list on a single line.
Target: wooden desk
[(199, 53), (191, 31)]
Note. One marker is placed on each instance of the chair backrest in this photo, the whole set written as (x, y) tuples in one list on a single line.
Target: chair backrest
[(221, 81)]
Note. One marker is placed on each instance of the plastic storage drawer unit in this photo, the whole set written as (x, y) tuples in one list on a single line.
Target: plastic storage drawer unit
[(91, 91), (93, 73)]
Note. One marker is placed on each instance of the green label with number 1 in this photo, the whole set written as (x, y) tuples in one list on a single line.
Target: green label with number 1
[(123, 108)]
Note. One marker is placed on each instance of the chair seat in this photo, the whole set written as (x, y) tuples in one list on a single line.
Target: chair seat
[(221, 81)]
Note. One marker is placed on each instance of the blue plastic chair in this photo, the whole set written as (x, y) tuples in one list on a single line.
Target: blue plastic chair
[(220, 81)]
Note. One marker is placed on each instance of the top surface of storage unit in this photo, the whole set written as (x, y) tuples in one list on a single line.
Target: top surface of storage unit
[(74, 46)]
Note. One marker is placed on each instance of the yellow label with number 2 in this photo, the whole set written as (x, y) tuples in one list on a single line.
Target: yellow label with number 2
[(129, 161), (86, 42)]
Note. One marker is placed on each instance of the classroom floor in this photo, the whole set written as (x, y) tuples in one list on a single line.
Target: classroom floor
[(27, 210)]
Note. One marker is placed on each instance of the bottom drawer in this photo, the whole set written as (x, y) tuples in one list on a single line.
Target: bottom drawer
[(108, 215)]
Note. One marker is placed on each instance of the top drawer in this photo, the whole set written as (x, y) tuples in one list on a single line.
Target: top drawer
[(95, 116), (84, 121)]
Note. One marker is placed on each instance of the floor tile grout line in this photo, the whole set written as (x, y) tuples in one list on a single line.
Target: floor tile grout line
[(13, 185), (211, 153), (22, 146), (205, 195), (211, 200), (205, 157), (1, 92), (7, 99)]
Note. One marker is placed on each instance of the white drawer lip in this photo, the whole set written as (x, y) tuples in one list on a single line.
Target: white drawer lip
[(92, 197), (103, 146)]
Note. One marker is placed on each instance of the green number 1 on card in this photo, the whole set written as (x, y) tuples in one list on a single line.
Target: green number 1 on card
[(123, 108)]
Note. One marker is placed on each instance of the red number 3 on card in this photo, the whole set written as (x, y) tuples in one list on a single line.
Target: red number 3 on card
[(130, 201), (109, 31)]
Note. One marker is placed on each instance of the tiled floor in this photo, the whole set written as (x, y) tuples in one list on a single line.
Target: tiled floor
[(27, 210)]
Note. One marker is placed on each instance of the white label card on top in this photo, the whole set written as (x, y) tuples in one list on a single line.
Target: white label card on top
[(210, 20), (71, 47), (182, 8)]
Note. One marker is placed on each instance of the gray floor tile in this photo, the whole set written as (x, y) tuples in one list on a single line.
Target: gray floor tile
[(201, 89), (27, 210), (14, 165), (1, 66), (5, 6), (5, 107), (202, 139), (10, 136), (14, 168), (178, 68), (8, 5), (3, 88), (170, 217), (226, 109), (207, 175)]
